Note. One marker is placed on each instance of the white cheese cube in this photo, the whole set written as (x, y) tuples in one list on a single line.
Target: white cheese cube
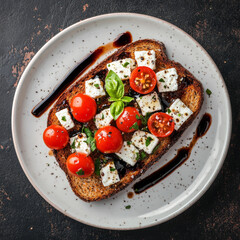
[(104, 118), (94, 88), (149, 103), (109, 174), (78, 144), (128, 153), (122, 67), (180, 113), (145, 141), (65, 118), (146, 58), (167, 80)]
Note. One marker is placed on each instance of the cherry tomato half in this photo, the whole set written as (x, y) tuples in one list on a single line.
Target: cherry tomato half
[(80, 165), (83, 107), (55, 137), (161, 124), (143, 80), (127, 120), (108, 139)]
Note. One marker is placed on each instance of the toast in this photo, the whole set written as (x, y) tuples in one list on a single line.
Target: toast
[(190, 92)]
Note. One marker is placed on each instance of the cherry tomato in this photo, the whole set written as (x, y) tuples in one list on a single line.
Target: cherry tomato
[(127, 120), (161, 124), (83, 107), (143, 80), (108, 139), (55, 137), (80, 165)]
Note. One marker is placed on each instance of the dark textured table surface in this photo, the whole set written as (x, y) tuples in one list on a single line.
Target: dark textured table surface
[(26, 26)]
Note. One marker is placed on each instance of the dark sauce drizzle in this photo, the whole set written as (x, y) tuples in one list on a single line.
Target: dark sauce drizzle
[(42, 106), (182, 155)]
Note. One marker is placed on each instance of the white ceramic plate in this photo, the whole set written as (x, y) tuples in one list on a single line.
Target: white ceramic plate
[(163, 201)]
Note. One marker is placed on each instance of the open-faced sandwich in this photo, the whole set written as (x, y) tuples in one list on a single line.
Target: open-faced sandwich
[(114, 123)]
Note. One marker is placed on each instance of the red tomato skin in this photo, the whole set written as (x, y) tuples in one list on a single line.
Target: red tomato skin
[(108, 139), (126, 120), (136, 72), (56, 137), (167, 118), (77, 161), (83, 107)]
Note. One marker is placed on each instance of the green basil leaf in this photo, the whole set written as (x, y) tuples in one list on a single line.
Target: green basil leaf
[(80, 172), (97, 164), (114, 85), (134, 126), (148, 141), (127, 99), (116, 109)]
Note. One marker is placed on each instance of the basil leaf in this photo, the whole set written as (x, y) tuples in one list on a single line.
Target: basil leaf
[(128, 206), (90, 140), (97, 164), (112, 169), (148, 141), (142, 155), (134, 126), (80, 172), (116, 109), (125, 64), (127, 99), (114, 85), (64, 118)]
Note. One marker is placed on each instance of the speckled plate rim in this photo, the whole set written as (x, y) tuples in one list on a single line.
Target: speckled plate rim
[(225, 145)]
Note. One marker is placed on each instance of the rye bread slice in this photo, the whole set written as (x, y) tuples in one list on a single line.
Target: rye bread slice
[(190, 92)]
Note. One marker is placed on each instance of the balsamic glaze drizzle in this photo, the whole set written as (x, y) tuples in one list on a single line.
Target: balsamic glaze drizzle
[(42, 106), (182, 155)]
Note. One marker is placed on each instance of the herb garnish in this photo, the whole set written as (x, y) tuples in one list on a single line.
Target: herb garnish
[(73, 144), (161, 80), (102, 116), (115, 90), (97, 164), (148, 141), (80, 172), (134, 126), (112, 169), (125, 64), (129, 143), (64, 118), (144, 119), (140, 156), (128, 206), (97, 85), (90, 138), (209, 92), (168, 110)]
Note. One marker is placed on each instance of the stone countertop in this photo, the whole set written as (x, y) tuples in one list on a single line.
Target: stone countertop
[(26, 26)]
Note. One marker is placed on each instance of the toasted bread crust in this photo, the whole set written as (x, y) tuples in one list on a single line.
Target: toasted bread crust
[(91, 188)]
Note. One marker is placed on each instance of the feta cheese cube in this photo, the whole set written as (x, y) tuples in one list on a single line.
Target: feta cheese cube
[(145, 141), (146, 58), (94, 88), (78, 144), (180, 113), (122, 67), (128, 153), (149, 103), (104, 118), (167, 80), (65, 118), (109, 174)]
